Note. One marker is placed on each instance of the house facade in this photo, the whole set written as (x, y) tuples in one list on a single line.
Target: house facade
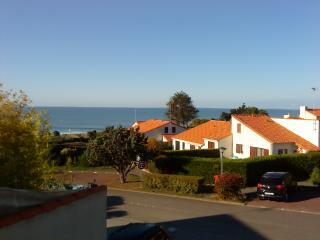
[(210, 135), (259, 135), (161, 130)]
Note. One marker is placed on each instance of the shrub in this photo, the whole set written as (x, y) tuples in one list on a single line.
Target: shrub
[(83, 161), (315, 176), (175, 183), (229, 186), (203, 153), (251, 169)]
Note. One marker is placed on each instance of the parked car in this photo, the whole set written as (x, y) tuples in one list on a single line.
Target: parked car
[(276, 185), (140, 231)]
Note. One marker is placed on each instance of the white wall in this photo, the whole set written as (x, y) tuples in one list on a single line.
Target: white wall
[(81, 220), (226, 143), (247, 138), (307, 129), (290, 146), (186, 143), (157, 133), (305, 114)]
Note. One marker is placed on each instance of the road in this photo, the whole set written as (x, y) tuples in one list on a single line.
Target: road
[(194, 219)]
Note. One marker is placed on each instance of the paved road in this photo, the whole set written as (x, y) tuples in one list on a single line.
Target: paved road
[(194, 219)]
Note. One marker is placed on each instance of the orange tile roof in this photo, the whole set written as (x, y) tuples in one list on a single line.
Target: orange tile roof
[(273, 132), (168, 137), (149, 125), (315, 112), (212, 129)]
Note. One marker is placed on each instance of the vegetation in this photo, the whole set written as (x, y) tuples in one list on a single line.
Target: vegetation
[(198, 121), (118, 147), (242, 110), (204, 153), (229, 186), (23, 142), (174, 183), (315, 176), (181, 109), (251, 169)]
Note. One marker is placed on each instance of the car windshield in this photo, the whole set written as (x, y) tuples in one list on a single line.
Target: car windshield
[(271, 180)]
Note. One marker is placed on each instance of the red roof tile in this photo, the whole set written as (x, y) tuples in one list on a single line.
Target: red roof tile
[(315, 112), (273, 132), (149, 125), (212, 129)]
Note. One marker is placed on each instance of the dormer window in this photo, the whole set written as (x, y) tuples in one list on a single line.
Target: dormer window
[(173, 129), (166, 129)]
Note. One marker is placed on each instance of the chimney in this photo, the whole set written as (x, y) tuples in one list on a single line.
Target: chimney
[(303, 110)]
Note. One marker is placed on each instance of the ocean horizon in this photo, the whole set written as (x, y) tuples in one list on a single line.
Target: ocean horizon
[(84, 119)]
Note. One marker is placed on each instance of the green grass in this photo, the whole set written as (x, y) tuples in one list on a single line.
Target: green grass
[(86, 169)]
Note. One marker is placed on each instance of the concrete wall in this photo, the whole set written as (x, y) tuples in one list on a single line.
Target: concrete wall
[(81, 220), (157, 133), (247, 138), (307, 129)]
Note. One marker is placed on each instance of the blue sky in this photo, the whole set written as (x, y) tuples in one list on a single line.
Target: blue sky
[(138, 53)]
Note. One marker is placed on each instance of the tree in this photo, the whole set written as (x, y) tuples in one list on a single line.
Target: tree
[(120, 148), (198, 121), (242, 110), (181, 109), (24, 137)]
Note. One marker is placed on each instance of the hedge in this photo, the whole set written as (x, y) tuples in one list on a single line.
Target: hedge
[(203, 153), (300, 165), (175, 183)]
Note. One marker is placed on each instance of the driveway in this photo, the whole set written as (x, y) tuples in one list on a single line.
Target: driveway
[(306, 199)]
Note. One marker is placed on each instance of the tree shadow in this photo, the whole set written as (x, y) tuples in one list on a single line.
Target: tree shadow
[(112, 203), (222, 227)]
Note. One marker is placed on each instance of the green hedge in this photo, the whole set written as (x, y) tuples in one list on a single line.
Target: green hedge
[(203, 153), (300, 165), (175, 183)]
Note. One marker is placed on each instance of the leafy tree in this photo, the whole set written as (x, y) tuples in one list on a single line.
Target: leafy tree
[(242, 110), (23, 142), (198, 121), (118, 147), (69, 153), (181, 109)]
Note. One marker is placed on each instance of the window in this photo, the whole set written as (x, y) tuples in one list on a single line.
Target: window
[(210, 145), (239, 148), (239, 128), (183, 145), (192, 147), (173, 129), (282, 151), (258, 152), (177, 145), (166, 130)]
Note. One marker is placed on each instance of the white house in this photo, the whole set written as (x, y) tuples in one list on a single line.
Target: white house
[(161, 130), (306, 126), (259, 135), (209, 135)]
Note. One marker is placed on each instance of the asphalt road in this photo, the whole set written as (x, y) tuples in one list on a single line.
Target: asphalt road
[(194, 219)]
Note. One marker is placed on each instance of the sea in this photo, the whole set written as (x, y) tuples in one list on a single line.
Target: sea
[(84, 119)]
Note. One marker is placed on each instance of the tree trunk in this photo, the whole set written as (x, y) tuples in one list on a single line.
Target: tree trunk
[(123, 177)]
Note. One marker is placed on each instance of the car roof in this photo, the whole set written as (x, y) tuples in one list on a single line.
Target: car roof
[(275, 174), (134, 231)]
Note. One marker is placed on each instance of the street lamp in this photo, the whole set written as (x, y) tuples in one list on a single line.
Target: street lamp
[(221, 149)]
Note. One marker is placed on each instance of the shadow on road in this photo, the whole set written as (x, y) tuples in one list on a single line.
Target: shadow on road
[(222, 227), (112, 203)]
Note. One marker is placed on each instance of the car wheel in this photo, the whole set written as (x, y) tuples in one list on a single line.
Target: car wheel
[(261, 198)]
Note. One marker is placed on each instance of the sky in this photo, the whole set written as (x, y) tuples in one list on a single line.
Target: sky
[(117, 53)]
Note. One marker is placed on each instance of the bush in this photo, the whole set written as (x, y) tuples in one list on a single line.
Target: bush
[(229, 186), (299, 165), (175, 183), (83, 161), (203, 153), (315, 176)]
